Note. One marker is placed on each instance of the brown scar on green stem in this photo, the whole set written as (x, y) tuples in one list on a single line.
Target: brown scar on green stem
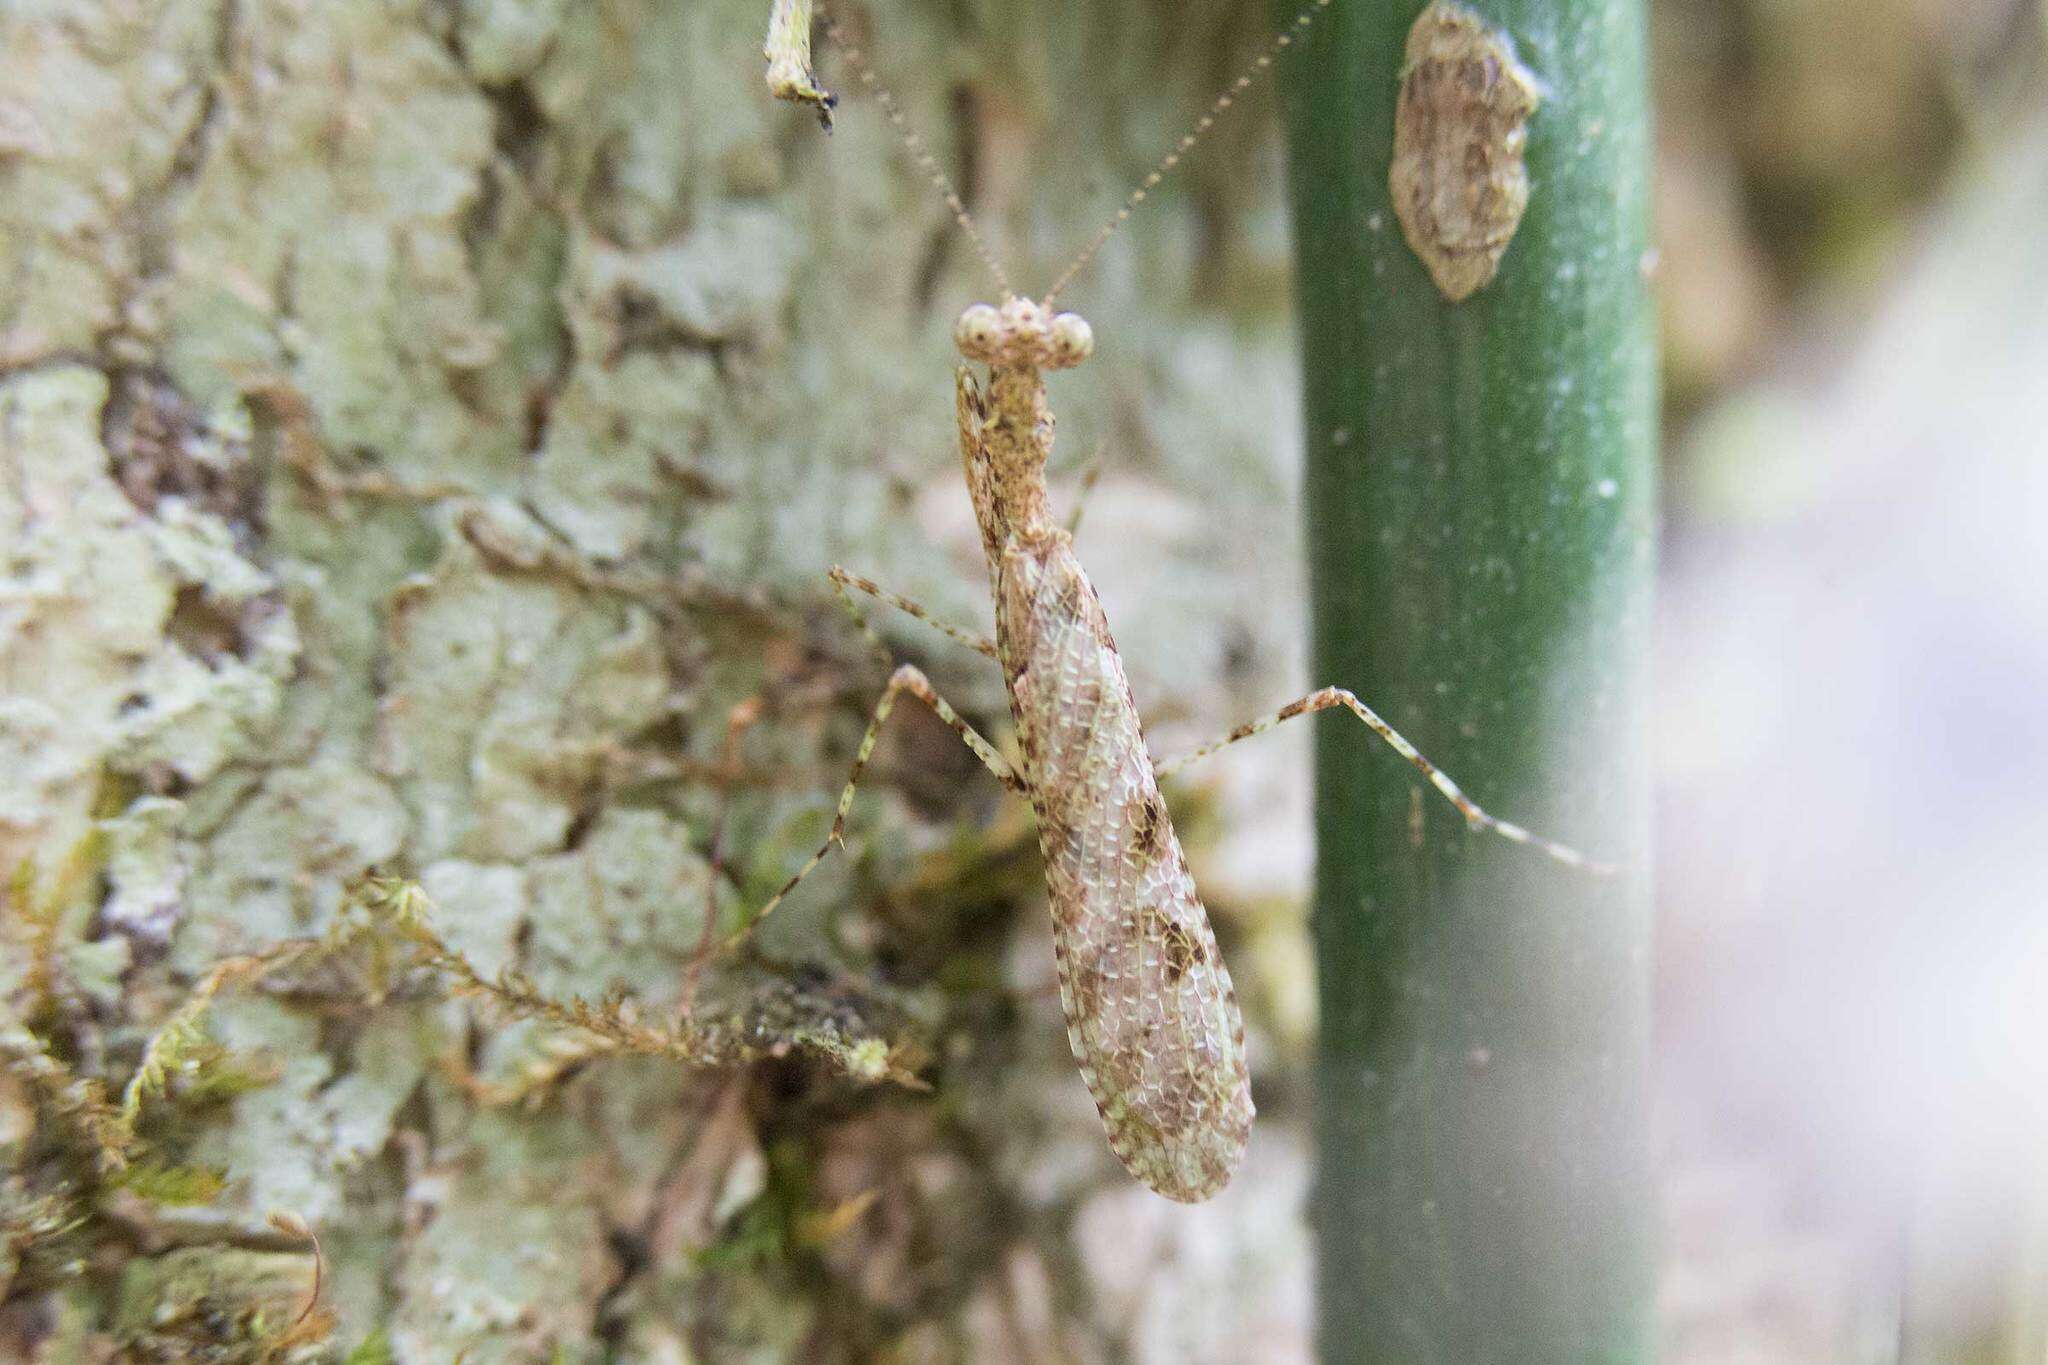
[(1460, 128)]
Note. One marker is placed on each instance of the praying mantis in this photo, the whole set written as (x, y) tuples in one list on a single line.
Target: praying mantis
[(1152, 1016)]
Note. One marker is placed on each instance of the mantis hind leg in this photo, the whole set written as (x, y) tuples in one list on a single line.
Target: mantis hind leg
[(1330, 697), (907, 678)]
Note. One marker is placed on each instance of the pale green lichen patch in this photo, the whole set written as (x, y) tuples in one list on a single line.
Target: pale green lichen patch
[(98, 674), (481, 910), (502, 698), (278, 864), (621, 913), (648, 328), (269, 1145), (145, 870), (619, 429), (512, 1264), (294, 1141), (385, 1062), (352, 150), (506, 41), (75, 85)]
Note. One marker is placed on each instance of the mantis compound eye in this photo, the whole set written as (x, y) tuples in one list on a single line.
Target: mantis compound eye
[(1072, 342), (977, 333)]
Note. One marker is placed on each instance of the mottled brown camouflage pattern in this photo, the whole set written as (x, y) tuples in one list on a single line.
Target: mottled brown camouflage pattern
[(1151, 1014)]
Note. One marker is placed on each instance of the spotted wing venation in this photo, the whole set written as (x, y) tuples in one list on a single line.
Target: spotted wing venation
[(1151, 1014)]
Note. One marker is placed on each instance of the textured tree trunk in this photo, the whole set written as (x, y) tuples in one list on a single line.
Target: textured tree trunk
[(1480, 497), (420, 425)]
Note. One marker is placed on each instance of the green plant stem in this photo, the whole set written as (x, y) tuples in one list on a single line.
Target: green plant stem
[(1481, 502)]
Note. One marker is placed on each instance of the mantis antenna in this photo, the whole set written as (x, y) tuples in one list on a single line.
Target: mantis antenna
[(786, 36), (1263, 63), (914, 143)]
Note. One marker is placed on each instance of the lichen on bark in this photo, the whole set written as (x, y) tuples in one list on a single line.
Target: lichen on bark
[(420, 425)]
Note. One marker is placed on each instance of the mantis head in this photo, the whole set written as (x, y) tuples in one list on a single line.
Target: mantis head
[(1023, 335)]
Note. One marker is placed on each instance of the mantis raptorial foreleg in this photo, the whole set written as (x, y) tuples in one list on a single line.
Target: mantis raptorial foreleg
[(1329, 697), (1091, 474)]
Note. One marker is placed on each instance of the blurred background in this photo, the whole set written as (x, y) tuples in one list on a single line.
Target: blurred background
[(1852, 1082)]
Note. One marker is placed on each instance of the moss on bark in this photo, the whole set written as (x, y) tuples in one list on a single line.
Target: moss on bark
[(420, 424)]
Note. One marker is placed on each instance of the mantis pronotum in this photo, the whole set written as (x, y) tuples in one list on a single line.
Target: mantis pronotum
[(1150, 1010)]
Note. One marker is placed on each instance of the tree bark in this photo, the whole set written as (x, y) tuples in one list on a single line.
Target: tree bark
[(421, 424)]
